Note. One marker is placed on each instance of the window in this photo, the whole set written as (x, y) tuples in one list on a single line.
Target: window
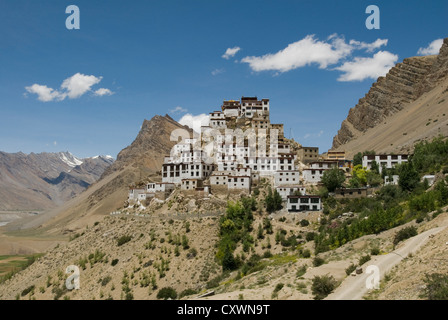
[(293, 200)]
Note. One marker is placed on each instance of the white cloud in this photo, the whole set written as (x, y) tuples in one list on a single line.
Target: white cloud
[(230, 52), (369, 47), (301, 53), (217, 71), (332, 51), (78, 84), (432, 48), (195, 122), (363, 68), (103, 92), (45, 93), (178, 109), (55, 143), (72, 87), (316, 135)]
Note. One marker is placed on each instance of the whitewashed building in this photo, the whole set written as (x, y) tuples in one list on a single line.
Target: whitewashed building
[(290, 177), (304, 203), (217, 120), (135, 192), (323, 164), (290, 190), (391, 180), (286, 161), (191, 184), (175, 172), (238, 183), (387, 161), (219, 178), (313, 176)]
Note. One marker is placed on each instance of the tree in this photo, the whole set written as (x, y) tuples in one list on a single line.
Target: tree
[(260, 232), (357, 159), (333, 179), (375, 167), (228, 261), (408, 176), (373, 178), (323, 286), (361, 174), (273, 201)]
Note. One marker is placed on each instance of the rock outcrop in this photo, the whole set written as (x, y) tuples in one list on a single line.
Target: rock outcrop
[(149, 147), (403, 84)]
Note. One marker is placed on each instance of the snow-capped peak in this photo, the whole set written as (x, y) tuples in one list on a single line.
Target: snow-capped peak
[(104, 157), (70, 159)]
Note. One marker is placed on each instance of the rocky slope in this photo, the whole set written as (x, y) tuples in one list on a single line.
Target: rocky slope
[(150, 146), (45, 180), (407, 84)]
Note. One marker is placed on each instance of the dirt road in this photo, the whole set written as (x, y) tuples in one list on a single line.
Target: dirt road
[(354, 287)]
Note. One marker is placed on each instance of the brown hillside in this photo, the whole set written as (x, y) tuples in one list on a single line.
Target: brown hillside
[(405, 106)]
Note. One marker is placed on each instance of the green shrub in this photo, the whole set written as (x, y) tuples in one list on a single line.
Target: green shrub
[(306, 253), (28, 290), (375, 251), (106, 280), (59, 292), (310, 236), (301, 271), (187, 292), (318, 261), (322, 286), (129, 296), (436, 286), (192, 253), (123, 239), (278, 287), (304, 223), (364, 259), (404, 234), (114, 262), (267, 254), (167, 293), (350, 269)]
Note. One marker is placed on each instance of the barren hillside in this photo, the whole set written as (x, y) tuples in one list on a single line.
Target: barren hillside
[(407, 105)]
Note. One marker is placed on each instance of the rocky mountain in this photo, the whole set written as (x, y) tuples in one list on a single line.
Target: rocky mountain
[(45, 180), (412, 90), (150, 146), (141, 160)]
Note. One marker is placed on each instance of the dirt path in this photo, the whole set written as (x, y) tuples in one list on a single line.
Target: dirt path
[(354, 288)]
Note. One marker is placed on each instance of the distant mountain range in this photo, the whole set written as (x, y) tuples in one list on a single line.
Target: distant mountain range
[(39, 181)]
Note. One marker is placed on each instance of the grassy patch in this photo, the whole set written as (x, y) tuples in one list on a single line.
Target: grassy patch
[(10, 265)]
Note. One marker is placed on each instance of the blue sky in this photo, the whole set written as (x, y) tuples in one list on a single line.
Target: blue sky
[(150, 57)]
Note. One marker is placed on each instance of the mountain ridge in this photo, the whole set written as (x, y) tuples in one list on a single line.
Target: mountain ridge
[(405, 84), (40, 181)]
